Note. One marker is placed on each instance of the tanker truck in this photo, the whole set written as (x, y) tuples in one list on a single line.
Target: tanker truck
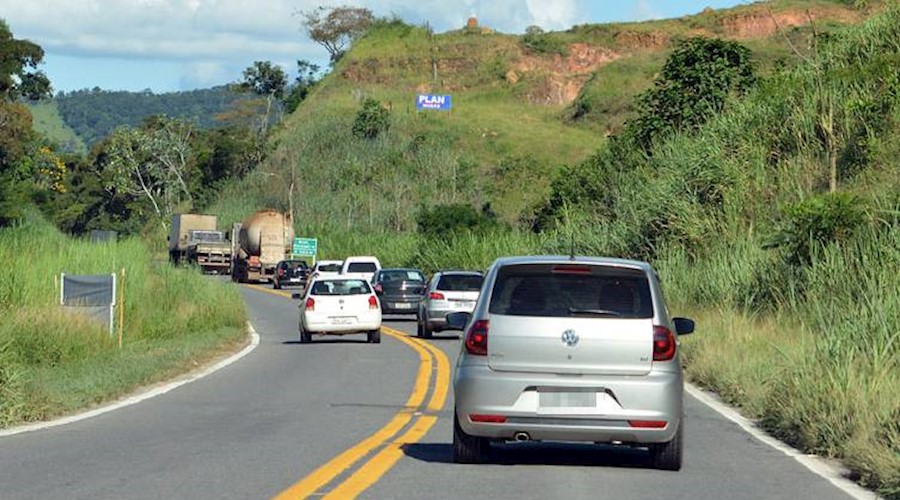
[(260, 242)]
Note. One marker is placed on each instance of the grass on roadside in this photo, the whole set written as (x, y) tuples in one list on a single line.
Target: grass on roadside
[(53, 362)]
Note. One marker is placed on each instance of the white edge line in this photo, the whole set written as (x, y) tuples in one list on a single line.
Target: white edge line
[(143, 396), (814, 463)]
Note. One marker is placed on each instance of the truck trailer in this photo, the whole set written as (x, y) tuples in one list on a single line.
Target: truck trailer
[(260, 242)]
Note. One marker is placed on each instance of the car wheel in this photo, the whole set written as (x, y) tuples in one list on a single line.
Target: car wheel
[(276, 286), (419, 329), (375, 337), (468, 449), (305, 337), (426, 331), (668, 456)]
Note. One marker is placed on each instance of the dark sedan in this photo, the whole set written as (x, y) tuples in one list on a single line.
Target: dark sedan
[(291, 273), (399, 290)]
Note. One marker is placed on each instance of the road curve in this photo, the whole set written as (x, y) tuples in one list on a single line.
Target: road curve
[(260, 427)]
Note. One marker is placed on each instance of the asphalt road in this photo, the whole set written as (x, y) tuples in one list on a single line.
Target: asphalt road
[(291, 418)]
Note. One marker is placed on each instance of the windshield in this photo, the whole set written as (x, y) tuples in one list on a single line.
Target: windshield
[(362, 267), (460, 283), (590, 290), (340, 287)]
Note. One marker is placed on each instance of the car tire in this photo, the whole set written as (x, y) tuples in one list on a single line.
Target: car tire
[(426, 331), (468, 449), (375, 337), (419, 329), (305, 337), (276, 286), (668, 456)]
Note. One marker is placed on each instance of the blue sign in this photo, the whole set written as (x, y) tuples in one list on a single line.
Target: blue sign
[(430, 101)]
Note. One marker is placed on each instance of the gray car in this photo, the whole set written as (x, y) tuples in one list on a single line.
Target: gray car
[(570, 349), (447, 292)]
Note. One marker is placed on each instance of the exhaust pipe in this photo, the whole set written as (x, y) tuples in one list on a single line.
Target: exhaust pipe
[(521, 437)]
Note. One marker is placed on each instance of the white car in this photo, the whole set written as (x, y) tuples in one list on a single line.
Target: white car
[(361, 266), (326, 269), (340, 306)]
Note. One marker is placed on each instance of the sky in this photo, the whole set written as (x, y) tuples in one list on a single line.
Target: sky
[(172, 45)]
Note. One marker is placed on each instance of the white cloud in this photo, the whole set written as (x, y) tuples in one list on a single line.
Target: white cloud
[(644, 11), (554, 15)]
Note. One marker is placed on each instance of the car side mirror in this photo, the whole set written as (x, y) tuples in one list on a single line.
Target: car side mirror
[(458, 320), (684, 326)]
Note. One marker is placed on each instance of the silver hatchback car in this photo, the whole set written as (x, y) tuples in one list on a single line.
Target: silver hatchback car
[(570, 349)]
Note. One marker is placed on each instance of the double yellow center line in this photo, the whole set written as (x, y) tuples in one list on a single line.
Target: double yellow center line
[(433, 375)]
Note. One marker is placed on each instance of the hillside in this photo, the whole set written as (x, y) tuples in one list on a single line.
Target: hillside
[(523, 106), (47, 120), (93, 114), (773, 222)]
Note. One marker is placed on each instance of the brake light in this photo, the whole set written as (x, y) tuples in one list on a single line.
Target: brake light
[(310, 304), (571, 269), (477, 338), (647, 424), (373, 302), (489, 419), (378, 288), (436, 296), (281, 272), (664, 344)]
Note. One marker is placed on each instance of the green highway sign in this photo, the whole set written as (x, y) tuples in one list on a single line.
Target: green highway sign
[(305, 246)]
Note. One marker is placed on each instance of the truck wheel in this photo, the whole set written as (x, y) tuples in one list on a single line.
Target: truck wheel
[(374, 337)]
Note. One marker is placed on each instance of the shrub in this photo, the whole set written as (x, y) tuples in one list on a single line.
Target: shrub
[(440, 220), (817, 221), (371, 120)]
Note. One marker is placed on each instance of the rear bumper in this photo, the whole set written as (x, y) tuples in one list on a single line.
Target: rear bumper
[(400, 304), (325, 325), (436, 319), (655, 397)]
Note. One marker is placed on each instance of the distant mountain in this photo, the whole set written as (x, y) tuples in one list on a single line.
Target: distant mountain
[(94, 113)]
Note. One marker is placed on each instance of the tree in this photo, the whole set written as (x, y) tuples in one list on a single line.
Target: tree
[(337, 27), (695, 83), (152, 162), (307, 78), (19, 76), (266, 80)]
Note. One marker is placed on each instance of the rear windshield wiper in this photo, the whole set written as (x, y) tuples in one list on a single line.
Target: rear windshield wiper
[(594, 312)]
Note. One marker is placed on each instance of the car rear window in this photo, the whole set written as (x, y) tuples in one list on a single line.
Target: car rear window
[(575, 290), (388, 276), (340, 287), (295, 264), (460, 283), (362, 267), (330, 268)]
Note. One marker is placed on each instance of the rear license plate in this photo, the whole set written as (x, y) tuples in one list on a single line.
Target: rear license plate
[(567, 399), (341, 321), (402, 305)]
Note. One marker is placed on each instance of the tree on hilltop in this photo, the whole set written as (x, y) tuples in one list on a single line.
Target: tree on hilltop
[(336, 28)]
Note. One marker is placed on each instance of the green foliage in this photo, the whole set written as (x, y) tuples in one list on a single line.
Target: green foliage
[(19, 76), (93, 114), (537, 40), (371, 120), (439, 221), (818, 221), (697, 80)]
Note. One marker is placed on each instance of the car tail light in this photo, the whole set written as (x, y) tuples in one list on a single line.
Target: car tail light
[(488, 419), (477, 338), (373, 302), (664, 344), (310, 304), (379, 288), (648, 424), (436, 296), (280, 273)]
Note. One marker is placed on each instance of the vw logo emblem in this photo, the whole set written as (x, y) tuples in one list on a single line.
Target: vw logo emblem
[(570, 338)]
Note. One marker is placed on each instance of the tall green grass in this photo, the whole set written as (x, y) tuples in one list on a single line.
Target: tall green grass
[(54, 361)]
